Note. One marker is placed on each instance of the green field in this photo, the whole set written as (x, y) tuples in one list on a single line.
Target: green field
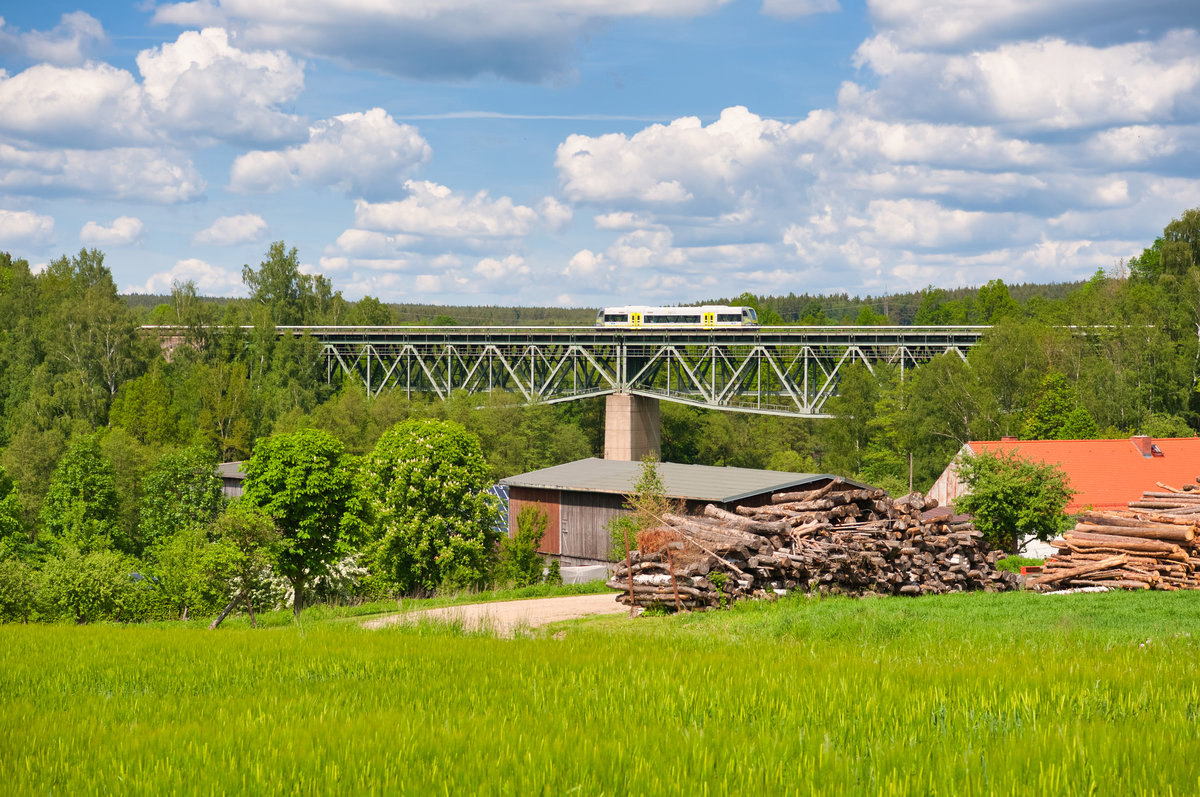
[(960, 694)]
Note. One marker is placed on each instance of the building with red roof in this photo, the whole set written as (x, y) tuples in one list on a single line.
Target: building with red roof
[(1105, 474)]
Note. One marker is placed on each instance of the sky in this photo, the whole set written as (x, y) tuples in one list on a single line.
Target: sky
[(597, 152)]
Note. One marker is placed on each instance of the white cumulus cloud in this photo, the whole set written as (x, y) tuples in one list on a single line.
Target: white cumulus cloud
[(69, 42), (671, 164), (232, 230), (435, 210), (1048, 84), (200, 83), (357, 153), (25, 228), (509, 268), (210, 280), (92, 106), (123, 173), (123, 231)]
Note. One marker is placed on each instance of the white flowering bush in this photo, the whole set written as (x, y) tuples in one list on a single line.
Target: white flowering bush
[(433, 523), (342, 581)]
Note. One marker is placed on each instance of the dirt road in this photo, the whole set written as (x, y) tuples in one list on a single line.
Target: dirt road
[(505, 616)]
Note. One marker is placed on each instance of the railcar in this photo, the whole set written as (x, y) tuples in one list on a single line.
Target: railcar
[(704, 317)]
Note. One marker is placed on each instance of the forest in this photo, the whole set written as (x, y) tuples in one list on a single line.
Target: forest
[(92, 413)]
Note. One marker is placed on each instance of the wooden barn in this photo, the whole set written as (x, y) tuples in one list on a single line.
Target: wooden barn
[(581, 497), (231, 476)]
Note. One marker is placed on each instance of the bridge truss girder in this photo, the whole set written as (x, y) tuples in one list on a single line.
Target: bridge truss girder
[(772, 370)]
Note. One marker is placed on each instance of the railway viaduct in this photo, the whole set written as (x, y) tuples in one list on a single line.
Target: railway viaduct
[(774, 370), (790, 371)]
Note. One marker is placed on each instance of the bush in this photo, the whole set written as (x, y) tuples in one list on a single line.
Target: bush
[(623, 534), (1013, 564), (192, 573), (101, 585), (17, 590), (520, 565), (343, 582)]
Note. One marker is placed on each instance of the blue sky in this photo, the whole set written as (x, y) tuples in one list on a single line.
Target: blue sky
[(582, 153)]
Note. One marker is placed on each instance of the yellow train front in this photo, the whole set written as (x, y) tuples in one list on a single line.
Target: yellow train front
[(711, 316)]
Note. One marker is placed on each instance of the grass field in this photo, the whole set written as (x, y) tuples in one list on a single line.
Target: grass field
[(950, 695)]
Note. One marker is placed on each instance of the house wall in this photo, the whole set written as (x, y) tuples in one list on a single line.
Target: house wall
[(948, 486)]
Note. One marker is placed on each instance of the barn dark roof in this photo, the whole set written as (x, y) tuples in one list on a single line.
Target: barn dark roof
[(690, 482)]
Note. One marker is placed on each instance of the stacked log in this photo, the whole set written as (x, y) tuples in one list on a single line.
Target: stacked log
[(1155, 544), (834, 540)]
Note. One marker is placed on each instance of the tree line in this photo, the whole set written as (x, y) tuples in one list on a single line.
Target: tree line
[(100, 430)]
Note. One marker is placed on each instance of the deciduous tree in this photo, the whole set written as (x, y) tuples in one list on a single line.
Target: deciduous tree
[(1012, 497), (434, 524), (82, 507), (307, 483), (181, 490)]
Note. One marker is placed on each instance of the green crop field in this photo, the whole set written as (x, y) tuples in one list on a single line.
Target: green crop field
[(951, 695)]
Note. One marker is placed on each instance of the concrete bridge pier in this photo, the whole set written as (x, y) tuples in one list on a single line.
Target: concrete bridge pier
[(631, 427)]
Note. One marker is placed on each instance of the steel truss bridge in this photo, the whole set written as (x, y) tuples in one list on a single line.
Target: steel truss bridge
[(771, 370)]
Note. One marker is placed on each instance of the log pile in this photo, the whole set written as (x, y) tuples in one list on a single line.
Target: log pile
[(836, 540), (1152, 545)]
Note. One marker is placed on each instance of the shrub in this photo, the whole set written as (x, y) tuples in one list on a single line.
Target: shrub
[(623, 536), (17, 589), (520, 565), (192, 573), (1013, 564), (91, 587)]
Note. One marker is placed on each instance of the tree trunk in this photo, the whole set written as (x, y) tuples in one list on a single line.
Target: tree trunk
[(250, 609), (225, 612), (297, 597)]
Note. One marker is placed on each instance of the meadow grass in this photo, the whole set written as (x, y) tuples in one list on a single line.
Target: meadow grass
[(962, 694)]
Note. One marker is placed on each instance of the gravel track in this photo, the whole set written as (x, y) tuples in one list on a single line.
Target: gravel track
[(504, 617)]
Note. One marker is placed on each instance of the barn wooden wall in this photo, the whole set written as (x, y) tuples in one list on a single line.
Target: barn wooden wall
[(585, 517), (545, 500)]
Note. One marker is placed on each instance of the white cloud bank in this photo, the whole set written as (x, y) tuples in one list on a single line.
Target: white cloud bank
[(447, 40), (92, 129)]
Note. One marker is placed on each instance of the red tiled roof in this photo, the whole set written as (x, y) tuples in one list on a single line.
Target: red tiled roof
[(1108, 474)]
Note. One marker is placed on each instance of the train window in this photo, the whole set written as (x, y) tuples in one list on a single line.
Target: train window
[(726, 318), (750, 314), (616, 318)]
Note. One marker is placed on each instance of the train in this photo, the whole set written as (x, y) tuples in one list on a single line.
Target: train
[(705, 317)]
